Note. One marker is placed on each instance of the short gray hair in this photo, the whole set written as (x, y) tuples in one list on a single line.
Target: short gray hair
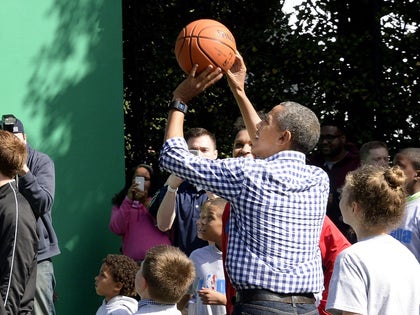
[(302, 123)]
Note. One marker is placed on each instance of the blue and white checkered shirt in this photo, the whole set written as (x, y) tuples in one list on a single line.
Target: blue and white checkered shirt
[(277, 209)]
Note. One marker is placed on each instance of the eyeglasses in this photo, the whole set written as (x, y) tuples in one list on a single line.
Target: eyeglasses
[(328, 138)]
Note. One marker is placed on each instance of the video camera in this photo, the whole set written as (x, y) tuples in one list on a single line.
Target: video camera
[(8, 122)]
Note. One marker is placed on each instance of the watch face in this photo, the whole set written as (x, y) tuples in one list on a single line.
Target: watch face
[(179, 106)]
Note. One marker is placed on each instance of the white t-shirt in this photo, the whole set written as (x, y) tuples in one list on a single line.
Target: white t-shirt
[(409, 231), (376, 276), (118, 305), (208, 274)]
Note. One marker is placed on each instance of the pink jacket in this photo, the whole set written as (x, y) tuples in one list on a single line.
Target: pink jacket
[(137, 227)]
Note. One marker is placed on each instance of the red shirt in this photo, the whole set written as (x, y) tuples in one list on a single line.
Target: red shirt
[(331, 243), (230, 290)]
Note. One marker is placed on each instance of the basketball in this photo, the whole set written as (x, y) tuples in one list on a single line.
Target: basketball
[(205, 42)]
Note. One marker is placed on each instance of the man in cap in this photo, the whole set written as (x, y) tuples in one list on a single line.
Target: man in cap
[(36, 181)]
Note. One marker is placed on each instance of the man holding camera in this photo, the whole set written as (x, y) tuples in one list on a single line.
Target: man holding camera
[(36, 181)]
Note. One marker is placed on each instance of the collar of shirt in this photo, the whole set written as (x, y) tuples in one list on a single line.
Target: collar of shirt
[(145, 302)]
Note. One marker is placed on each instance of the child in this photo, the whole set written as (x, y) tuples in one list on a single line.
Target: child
[(376, 275), (208, 288), (19, 240), (408, 233), (115, 282), (164, 277)]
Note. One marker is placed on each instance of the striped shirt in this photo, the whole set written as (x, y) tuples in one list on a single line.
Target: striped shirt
[(277, 209)]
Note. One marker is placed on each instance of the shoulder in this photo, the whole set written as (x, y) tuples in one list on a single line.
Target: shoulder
[(199, 251), (38, 157)]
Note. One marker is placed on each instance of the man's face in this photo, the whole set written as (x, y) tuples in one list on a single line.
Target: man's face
[(412, 174), (204, 145), (331, 141), (242, 145), (267, 138), (378, 156)]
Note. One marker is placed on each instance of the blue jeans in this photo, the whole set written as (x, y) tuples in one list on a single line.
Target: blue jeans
[(273, 308), (45, 284)]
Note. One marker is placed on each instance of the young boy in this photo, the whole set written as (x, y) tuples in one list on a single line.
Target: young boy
[(115, 282), (19, 240), (208, 289), (164, 277)]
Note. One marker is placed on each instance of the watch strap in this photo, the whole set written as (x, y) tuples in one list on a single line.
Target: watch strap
[(178, 105)]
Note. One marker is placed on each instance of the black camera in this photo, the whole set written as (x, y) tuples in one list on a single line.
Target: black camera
[(8, 122)]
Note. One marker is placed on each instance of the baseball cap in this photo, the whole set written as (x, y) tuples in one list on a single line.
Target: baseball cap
[(12, 124)]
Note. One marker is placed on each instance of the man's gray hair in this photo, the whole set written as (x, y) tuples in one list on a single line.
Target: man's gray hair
[(303, 125)]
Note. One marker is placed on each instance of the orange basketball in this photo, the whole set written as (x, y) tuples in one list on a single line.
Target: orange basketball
[(205, 42)]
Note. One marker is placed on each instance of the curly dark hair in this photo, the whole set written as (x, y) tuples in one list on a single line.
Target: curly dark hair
[(123, 269)]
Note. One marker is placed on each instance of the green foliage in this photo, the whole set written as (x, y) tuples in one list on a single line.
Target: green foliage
[(339, 59)]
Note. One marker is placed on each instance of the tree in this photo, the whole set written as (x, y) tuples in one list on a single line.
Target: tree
[(353, 58)]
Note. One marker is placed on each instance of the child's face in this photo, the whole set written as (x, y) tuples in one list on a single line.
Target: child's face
[(199, 223), (211, 224), (140, 283), (105, 285)]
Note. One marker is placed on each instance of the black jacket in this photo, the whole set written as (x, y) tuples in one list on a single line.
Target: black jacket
[(18, 251)]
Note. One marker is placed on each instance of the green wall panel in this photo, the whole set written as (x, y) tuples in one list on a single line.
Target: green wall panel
[(61, 74)]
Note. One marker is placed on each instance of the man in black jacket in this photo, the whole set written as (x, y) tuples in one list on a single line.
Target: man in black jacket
[(36, 182), (19, 240)]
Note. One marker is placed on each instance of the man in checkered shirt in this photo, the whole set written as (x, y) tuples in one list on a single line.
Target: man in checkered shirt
[(278, 202)]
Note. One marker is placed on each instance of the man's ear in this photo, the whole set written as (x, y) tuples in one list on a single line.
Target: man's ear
[(286, 138)]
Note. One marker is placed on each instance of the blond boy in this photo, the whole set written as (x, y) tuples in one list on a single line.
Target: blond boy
[(164, 277)]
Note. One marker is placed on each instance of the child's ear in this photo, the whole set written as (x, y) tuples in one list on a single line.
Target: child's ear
[(118, 286)]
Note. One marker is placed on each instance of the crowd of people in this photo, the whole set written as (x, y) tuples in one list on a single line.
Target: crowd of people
[(299, 220)]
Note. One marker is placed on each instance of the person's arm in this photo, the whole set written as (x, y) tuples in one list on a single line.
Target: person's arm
[(166, 213), (185, 91), (38, 185), (120, 216), (236, 79), (212, 297)]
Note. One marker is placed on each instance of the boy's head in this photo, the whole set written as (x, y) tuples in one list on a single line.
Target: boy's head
[(116, 277), (408, 159), (165, 275), (209, 226), (12, 154)]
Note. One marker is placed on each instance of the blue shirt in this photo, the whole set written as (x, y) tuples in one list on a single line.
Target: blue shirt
[(277, 209), (187, 209)]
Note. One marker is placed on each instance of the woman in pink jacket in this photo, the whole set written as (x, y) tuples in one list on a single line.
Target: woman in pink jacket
[(130, 217)]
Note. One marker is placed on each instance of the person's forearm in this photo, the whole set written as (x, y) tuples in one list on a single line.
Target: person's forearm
[(39, 190), (248, 112), (166, 213), (175, 125)]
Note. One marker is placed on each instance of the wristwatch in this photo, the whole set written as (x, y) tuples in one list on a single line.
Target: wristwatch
[(178, 105)]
